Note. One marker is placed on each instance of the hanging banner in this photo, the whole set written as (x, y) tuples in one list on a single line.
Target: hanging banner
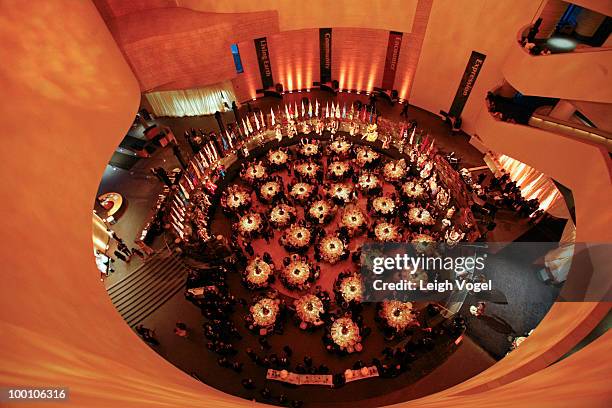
[(393, 50), (467, 83), (263, 57), (325, 44)]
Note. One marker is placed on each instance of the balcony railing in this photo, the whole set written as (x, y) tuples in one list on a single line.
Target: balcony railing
[(572, 129)]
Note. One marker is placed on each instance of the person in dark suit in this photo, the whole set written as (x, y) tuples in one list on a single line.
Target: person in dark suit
[(236, 112), (219, 120), (161, 174), (215, 140), (179, 156)]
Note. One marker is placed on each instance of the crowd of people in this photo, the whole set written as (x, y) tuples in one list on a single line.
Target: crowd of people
[(492, 193), (292, 196), (507, 110), (535, 49), (120, 250), (313, 204)]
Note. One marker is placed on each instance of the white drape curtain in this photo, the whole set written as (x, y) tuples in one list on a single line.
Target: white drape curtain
[(192, 102)]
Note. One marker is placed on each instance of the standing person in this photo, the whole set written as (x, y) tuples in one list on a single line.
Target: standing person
[(225, 143), (219, 120), (181, 330), (191, 142), (404, 112), (373, 101), (179, 155), (161, 174), (187, 136), (215, 141), (221, 170), (116, 237), (120, 255), (124, 249), (236, 112), (139, 253), (147, 334)]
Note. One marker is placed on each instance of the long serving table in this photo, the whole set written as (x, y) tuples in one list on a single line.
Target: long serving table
[(301, 379), (321, 379), (359, 375)]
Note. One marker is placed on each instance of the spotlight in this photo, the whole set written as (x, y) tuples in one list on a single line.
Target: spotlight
[(254, 99), (562, 44), (308, 90)]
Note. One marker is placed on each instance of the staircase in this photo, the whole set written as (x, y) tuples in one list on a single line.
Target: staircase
[(148, 287)]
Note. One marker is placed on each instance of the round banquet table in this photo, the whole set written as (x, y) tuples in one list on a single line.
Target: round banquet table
[(344, 333), (301, 192), (332, 250), (320, 212), (258, 273), (309, 309), (298, 275), (282, 215), (296, 238)]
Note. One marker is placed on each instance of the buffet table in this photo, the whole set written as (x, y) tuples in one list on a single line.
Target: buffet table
[(365, 372), (300, 379)]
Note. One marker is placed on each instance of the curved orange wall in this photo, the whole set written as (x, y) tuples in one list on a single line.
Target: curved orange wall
[(71, 98), (297, 15), (199, 53), (201, 34), (455, 29), (583, 167), (574, 76)]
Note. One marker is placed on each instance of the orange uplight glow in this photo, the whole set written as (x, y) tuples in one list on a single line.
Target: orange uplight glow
[(360, 79), (280, 74), (308, 77), (372, 76), (404, 90), (351, 74), (289, 79)]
